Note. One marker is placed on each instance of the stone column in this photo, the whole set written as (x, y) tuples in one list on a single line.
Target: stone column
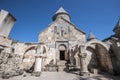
[(38, 65), (83, 65), (77, 58), (38, 61), (84, 70)]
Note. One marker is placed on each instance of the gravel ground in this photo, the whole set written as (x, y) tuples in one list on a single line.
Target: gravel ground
[(62, 76)]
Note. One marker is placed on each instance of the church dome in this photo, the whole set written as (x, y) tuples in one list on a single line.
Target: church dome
[(61, 13)]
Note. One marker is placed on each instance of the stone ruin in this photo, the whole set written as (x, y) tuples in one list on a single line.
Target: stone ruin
[(10, 65), (60, 47)]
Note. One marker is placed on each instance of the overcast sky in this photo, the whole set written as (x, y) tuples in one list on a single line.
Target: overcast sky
[(33, 16)]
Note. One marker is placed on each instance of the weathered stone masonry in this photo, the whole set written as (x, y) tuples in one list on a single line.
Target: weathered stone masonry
[(60, 47)]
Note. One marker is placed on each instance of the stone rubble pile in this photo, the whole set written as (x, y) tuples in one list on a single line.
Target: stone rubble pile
[(10, 65)]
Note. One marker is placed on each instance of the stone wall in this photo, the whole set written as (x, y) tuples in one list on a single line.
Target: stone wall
[(61, 29), (10, 65), (5, 41), (115, 54), (114, 44), (6, 23)]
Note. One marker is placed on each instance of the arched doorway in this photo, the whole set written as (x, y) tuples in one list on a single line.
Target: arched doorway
[(62, 57), (62, 52)]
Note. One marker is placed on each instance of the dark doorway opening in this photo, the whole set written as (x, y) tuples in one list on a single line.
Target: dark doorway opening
[(62, 55)]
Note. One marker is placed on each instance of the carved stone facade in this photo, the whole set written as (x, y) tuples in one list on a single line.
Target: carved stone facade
[(60, 47)]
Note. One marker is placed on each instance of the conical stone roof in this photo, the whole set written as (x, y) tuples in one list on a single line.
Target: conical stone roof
[(117, 25), (91, 36), (61, 10)]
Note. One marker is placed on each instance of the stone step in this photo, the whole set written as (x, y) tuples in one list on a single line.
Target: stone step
[(61, 62), (61, 67)]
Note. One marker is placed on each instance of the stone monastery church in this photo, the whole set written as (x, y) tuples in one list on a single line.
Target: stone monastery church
[(60, 47)]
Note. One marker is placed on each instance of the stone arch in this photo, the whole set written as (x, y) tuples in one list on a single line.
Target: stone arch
[(96, 42), (41, 49), (29, 58), (102, 54), (62, 52), (92, 61), (62, 46), (30, 48)]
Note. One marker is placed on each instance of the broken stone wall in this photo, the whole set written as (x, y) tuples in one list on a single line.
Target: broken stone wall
[(115, 52), (10, 64)]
